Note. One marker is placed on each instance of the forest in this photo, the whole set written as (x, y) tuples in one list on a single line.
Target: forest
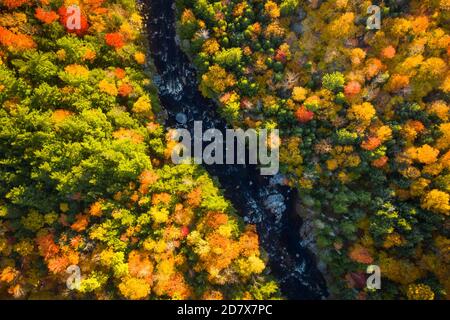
[(85, 173), (86, 177)]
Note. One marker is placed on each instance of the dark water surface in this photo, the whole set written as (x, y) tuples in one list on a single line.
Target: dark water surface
[(262, 201)]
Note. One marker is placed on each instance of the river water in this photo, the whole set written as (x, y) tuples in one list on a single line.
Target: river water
[(262, 201)]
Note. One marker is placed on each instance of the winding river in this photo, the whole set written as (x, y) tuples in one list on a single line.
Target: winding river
[(262, 201)]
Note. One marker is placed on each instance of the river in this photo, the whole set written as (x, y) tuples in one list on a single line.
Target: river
[(262, 201)]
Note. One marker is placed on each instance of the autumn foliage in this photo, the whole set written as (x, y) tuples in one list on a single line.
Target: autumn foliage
[(115, 40), (84, 179), (363, 116)]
